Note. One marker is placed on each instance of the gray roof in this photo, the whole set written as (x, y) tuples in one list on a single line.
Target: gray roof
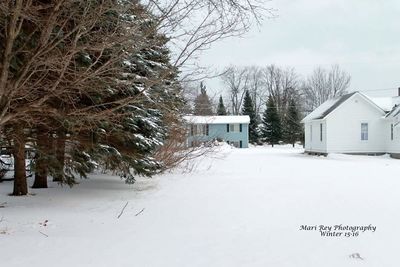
[(338, 102), (394, 112), (385, 104)]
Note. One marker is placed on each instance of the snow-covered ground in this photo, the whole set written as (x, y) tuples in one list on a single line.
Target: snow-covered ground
[(244, 208)]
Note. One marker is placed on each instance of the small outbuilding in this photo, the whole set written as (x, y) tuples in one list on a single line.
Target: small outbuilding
[(393, 135), (232, 129), (354, 124)]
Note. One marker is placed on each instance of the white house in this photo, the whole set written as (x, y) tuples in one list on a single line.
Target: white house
[(354, 124), (393, 138)]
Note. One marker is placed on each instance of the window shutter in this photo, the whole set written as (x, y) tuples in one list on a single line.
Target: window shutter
[(207, 129), (240, 126), (227, 128), (391, 131), (320, 132), (191, 130), (241, 144)]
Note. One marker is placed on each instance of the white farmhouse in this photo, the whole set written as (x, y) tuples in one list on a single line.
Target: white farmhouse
[(354, 124)]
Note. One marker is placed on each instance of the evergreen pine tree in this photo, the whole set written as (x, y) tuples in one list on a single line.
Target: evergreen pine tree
[(202, 103), (248, 109), (126, 140), (129, 146), (121, 138), (221, 111), (292, 127), (272, 130)]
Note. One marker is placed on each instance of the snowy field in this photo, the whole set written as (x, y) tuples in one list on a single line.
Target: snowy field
[(243, 208)]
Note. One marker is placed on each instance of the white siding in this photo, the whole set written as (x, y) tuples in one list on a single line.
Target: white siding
[(342, 129), (313, 140), (307, 142), (344, 126), (392, 146)]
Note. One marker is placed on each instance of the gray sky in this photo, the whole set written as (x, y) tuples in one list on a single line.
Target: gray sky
[(362, 36)]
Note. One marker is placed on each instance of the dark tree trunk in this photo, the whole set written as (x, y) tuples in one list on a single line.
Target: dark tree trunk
[(60, 157), (41, 169), (20, 183), (293, 144)]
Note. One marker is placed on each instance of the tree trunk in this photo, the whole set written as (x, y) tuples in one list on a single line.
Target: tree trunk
[(293, 144), (20, 183), (41, 169), (60, 157)]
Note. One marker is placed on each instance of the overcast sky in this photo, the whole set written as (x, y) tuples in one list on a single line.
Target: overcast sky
[(362, 36)]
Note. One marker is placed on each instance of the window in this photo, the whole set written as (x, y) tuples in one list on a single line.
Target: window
[(320, 132), (234, 128), (199, 129), (391, 131), (364, 131)]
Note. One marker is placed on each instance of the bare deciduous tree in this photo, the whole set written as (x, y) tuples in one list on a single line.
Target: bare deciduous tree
[(240, 79), (237, 81), (256, 88), (281, 85), (324, 84), (194, 25)]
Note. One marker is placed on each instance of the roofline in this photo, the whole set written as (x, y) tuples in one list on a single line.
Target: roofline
[(366, 98), (190, 122), (302, 121), (245, 119), (395, 111), (372, 102), (353, 94), (338, 101)]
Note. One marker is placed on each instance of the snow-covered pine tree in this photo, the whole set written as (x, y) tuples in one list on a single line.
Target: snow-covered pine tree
[(128, 146), (202, 103), (93, 96), (221, 110), (292, 129), (248, 109), (91, 64), (272, 128), (130, 114), (106, 92)]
